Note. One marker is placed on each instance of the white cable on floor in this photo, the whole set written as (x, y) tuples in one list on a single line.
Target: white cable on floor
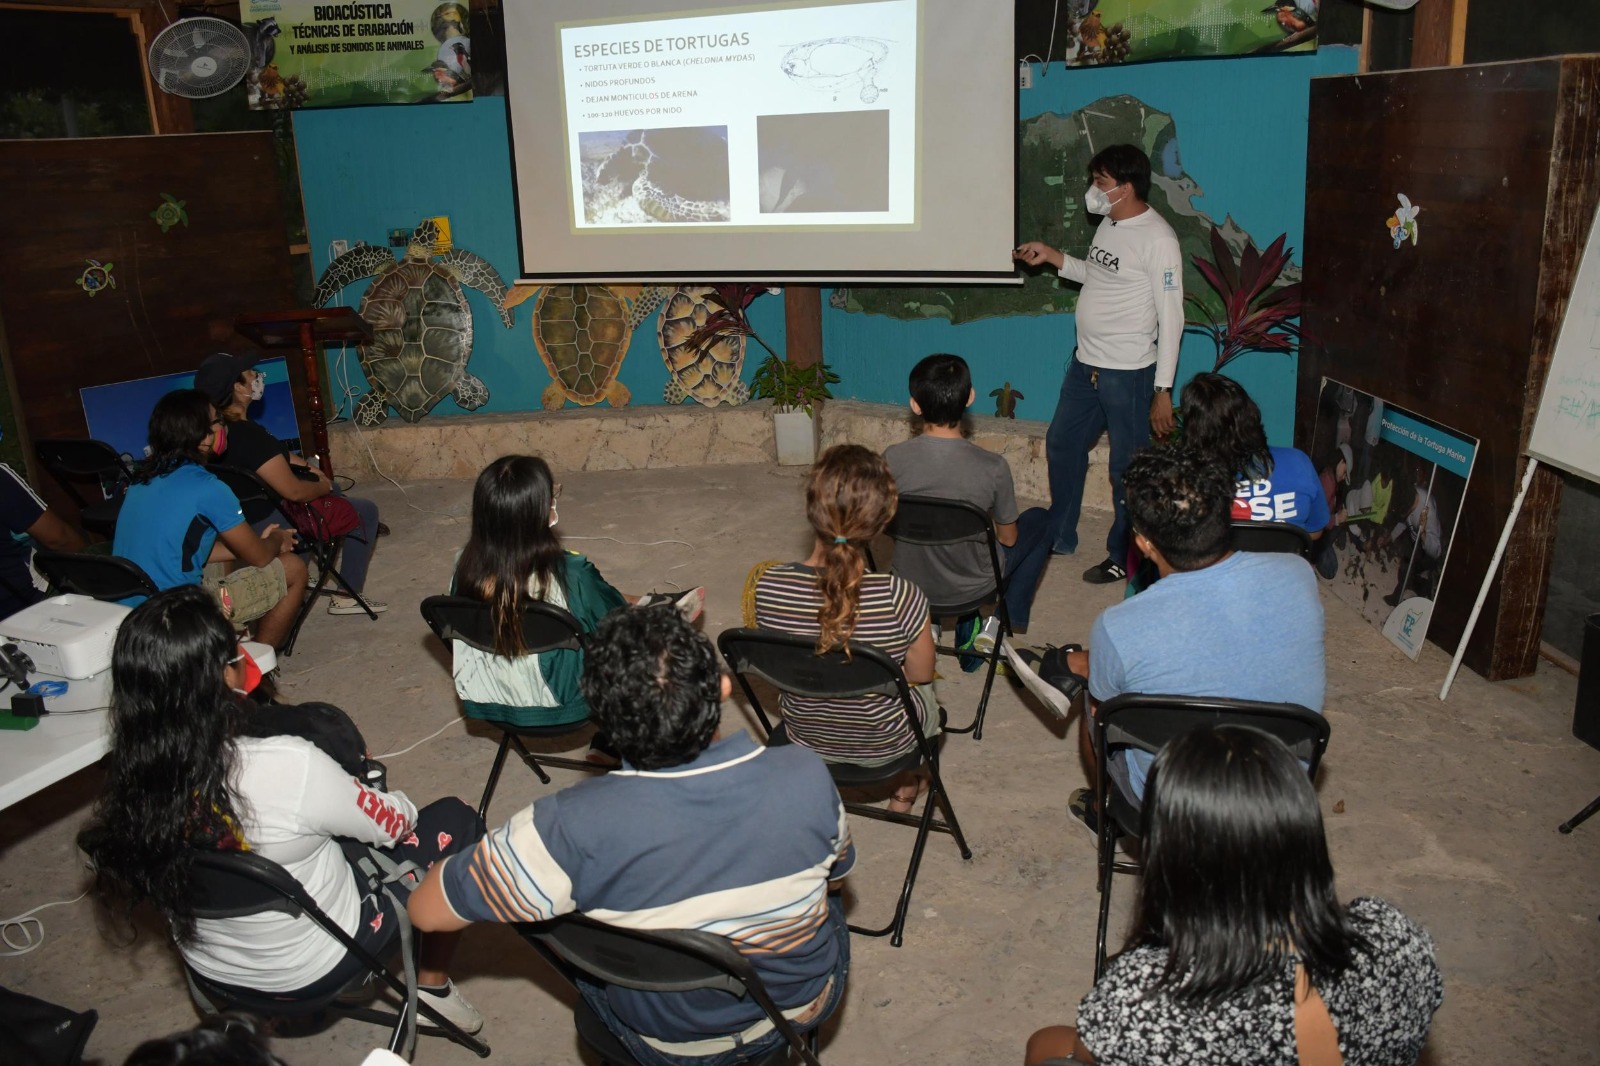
[(23, 922), (396, 754)]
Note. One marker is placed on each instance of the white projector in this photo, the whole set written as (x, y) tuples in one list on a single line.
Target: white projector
[(68, 636)]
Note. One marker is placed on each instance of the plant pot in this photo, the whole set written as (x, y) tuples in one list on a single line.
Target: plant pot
[(796, 433)]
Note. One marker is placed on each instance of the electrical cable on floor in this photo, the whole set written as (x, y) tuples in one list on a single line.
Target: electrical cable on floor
[(25, 923), (418, 744)]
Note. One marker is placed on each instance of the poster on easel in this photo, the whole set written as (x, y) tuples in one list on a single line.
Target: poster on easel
[(1398, 480), (307, 54)]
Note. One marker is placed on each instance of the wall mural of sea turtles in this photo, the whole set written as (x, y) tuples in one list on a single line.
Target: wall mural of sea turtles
[(709, 374), (582, 333), (421, 324)]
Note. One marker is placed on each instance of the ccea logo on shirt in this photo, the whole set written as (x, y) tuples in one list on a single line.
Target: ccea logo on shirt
[(1104, 258), (1255, 500), (1167, 281)]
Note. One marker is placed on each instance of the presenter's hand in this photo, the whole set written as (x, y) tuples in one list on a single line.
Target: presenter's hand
[(1037, 253), (1161, 421)]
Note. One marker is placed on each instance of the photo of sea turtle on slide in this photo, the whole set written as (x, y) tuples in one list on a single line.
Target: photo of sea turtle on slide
[(642, 177)]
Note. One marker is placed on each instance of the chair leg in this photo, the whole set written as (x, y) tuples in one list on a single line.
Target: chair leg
[(1578, 819), (896, 928), (305, 609), (494, 777), (352, 593), (529, 760)]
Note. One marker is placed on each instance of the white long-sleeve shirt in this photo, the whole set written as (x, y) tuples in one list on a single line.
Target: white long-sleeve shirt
[(1130, 313)]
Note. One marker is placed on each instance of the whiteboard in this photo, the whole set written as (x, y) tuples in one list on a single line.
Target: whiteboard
[(1566, 431)]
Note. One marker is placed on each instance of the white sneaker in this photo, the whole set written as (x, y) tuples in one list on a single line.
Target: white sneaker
[(348, 605), (688, 604), (452, 1005), (983, 643)]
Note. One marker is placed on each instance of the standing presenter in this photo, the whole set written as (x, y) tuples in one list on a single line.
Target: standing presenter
[(1130, 323)]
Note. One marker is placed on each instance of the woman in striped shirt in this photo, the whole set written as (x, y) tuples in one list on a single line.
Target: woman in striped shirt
[(850, 498)]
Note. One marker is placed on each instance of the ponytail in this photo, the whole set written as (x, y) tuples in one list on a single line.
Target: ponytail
[(850, 498)]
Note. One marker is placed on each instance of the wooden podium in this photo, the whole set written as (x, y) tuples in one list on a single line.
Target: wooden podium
[(307, 329)]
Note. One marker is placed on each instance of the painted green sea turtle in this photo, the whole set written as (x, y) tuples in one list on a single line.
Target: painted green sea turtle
[(709, 375), (96, 276), (421, 324), (582, 333), (170, 212)]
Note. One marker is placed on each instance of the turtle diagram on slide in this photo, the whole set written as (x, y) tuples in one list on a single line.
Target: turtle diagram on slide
[(797, 117)]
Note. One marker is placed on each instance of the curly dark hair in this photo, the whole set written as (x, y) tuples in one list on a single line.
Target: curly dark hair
[(1220, 419), (850, 498), (1182, 502), (1237, 880), (941, 384), (230, 1039), (652, 685), (172, 753)]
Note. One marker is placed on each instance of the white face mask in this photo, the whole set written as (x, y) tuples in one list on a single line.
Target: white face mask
[(1096, 200), (258, 388)]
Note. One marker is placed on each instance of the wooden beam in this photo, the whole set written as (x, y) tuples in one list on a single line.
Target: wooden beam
[(802, 324), (1439, 33)]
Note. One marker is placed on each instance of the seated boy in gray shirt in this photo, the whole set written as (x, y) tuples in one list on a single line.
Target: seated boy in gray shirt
[(941, 462)]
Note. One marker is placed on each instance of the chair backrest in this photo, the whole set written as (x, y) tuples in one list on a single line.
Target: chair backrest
[(663, 960), (244, 484), (105, 577), (1271, 537), (791, 663), (70, 461), (931, 521), (234, 884), (545, 627), (1148, 722)]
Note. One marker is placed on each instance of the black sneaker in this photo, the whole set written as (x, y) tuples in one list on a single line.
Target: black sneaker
[(1105, 573), (1081, 807)]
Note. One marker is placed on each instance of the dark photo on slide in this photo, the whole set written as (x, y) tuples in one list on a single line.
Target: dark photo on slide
[(644, 177), (828, 161)]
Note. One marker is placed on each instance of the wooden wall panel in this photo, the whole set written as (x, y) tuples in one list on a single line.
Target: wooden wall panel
[(1460, 327), (176, 293)]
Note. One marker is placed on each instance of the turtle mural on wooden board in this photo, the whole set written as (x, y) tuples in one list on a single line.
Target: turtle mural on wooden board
[(709, 374), (582, 333), (421, 324)]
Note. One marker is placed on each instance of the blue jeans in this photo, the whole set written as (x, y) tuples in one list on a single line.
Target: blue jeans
[(595, 996), (1025, 563), (1092, 402)]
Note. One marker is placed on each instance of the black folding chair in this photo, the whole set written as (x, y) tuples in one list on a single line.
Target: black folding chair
[(76, 462), (792, 664), (1272, 537), (104, 577), (323, 548), (545, 628), (1147, 723), (237, 884), (932, 522), (660, 960)]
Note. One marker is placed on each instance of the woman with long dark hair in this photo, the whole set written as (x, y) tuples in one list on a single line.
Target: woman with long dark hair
[(1275, 484), (514, 555), (184, 777), (177, 517), (1241, 954), (850, 498)]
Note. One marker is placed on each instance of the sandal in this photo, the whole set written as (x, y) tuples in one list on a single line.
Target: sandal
[(902, 804)]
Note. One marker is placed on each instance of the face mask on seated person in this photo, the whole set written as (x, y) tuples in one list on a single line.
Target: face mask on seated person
[(258, 388)]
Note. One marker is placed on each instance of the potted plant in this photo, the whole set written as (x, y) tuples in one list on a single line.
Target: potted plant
[(793, 390)]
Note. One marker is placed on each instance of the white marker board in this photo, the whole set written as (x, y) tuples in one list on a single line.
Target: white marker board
[(1566, 430)]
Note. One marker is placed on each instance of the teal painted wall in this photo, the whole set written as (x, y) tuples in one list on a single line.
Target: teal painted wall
[(1241, 127), (1242, 130)]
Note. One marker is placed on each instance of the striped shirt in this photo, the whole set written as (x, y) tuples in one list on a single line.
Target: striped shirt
[(740, 841), (891, 615)]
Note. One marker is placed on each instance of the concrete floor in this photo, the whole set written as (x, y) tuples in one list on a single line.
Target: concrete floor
[(1448, 810)]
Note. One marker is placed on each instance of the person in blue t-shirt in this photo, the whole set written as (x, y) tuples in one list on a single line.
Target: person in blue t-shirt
[(1274, 484), (179, 516), (1235, 625)]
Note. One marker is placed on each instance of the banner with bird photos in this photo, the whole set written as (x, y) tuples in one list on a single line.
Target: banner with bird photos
[(306, 54), (1098, 33)]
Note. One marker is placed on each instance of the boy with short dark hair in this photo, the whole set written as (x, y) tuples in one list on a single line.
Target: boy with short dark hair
[(940, 462), (693, 831)]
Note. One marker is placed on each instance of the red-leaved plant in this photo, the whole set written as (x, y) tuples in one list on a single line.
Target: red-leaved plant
[(1257, 315), (730, 319), (788, 386)]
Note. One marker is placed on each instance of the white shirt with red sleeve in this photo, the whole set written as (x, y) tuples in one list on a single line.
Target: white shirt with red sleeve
[(292, 801), (1130, 313)]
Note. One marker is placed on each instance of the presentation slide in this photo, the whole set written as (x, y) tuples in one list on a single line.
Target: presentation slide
[(800, 116), (722, 140)]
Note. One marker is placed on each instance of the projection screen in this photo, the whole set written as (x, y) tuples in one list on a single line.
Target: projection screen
[(853, 140)]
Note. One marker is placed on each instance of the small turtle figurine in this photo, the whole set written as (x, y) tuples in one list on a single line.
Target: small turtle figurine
[(421, 324), (1005, 401), (171, 212), (582, 333), (96, 277), (709, 375)]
